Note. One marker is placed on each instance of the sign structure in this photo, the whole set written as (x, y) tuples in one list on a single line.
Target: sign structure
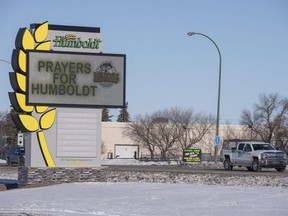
[(192, 155), (76, 79), (62, 66)]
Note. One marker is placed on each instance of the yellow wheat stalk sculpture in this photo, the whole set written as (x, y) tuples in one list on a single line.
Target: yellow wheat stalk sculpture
[(24, 120)]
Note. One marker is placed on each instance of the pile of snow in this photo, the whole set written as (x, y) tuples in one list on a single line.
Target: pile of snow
[(134, 162), (141, 199)]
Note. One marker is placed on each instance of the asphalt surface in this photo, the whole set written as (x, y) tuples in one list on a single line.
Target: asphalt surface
[(11, 172), (198, 169)]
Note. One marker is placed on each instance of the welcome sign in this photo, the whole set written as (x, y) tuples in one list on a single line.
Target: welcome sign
[(73, 39), (64, 67), (76, 79)]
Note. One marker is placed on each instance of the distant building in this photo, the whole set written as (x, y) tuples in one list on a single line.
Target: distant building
[(116, 145)]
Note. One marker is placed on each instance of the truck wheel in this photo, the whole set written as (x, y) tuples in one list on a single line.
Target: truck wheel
[(227, 165), (8, 162), (21, 162), (255, 166), (281, 169), (249, 168)]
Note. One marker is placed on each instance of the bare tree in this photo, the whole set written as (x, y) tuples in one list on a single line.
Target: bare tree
[(230, 131), (281, 138), (281, 133), (268, 116), (139, 131), (8, 131), (193, 128), (3, 116), (3, 135), (167, 131)]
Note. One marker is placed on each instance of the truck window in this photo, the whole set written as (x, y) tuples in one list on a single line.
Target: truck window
[(248, 148), (241, 146), (263, 146)]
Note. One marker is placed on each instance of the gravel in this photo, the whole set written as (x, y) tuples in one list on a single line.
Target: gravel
[(8, 172), (11, 173)]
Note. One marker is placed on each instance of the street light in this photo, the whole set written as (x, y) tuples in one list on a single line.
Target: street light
[(219, 87), (251, 129)]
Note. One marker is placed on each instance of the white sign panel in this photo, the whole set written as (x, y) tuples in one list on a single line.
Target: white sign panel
[(76, 135), (76, 79)]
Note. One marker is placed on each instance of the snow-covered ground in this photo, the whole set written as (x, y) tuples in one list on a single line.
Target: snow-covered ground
[(135, 199), (135, 162), (143, 199)]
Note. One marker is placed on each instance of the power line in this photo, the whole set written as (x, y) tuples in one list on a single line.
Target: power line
[(5, 61)]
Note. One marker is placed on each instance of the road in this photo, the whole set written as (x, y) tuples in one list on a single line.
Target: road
[(10, 171), (197, 170)]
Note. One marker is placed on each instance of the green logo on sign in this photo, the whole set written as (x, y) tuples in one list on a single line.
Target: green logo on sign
[(72, 41)]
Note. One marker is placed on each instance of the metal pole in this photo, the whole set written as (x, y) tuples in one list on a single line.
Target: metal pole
[(219, 86), (250, 126)]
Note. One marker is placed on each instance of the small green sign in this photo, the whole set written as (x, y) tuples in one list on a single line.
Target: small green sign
[(192, 155)]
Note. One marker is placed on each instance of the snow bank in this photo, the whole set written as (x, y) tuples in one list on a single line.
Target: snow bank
[(134, 162), (136, 199)]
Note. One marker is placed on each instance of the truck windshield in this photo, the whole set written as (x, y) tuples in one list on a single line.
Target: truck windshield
[(263, 146)]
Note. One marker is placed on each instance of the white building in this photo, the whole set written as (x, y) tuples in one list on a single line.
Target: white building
[(116, 145)]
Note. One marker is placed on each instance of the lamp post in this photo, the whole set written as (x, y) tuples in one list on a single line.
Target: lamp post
[(251, 129), (219, 87)]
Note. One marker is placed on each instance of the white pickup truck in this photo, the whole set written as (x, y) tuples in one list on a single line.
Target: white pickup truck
[(253, 155)]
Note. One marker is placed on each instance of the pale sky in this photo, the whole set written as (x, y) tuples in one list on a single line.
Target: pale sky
[(165, 67)]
